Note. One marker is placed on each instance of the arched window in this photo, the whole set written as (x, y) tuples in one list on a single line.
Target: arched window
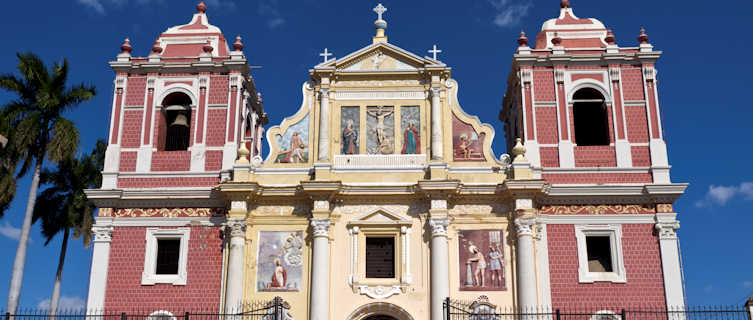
[(590, 118), (177, 116)]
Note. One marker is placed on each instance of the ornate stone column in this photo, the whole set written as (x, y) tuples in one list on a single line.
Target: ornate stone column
[(526, 267), (667, 227), (440, 276), (236, 229), (320, 268), (324, 125), (95, 302), (436, 124)]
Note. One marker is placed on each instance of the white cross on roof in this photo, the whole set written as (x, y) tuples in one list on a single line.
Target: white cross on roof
[(380, 9), (435, 51), (325, 54)]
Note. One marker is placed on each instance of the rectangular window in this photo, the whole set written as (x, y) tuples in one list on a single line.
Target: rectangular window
[(380, 257), (599, 253), (168, 256)]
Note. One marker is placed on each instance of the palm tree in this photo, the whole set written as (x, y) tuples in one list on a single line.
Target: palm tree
[(40, 132), (64, 207)]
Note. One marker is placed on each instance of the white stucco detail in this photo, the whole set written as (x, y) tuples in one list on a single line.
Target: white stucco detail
[(624, 154), (149, 276), (567, 154), (614, 232)]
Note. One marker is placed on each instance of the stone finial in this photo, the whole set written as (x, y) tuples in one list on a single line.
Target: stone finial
[(610, 37), (643, 37), (380, 25), (243, 154), (201, 7), (556, 40), (126, 46), (522, 41), (238, 45), (519, 151), (565, 4), (258, 97), (156, 49), (208, 48)]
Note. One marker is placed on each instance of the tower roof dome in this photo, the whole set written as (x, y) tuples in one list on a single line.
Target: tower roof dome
[(574, 32)]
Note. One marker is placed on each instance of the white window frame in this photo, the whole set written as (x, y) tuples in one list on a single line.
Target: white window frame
[(614, 232), (149, 276)]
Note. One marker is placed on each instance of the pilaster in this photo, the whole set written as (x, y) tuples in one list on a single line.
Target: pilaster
[(324, 123), (436, 121), (95, 302), (236, 229), (667, 226)]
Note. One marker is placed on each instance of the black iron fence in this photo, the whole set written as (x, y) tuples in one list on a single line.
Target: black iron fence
[(483, 310), (275, 309)]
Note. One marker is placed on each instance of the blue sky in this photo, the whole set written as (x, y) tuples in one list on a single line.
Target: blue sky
[(704, 85)]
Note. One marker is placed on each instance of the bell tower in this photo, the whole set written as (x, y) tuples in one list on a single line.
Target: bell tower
[(181, 111)]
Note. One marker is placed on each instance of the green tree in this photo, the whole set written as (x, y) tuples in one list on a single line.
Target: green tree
[(63, 206), (39, 132)]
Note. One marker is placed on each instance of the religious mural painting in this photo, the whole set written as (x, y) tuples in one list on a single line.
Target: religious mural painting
[(293, 144), (350, 120), (467, 144), (482, 260), (410, 123), (380, 133), (279, 263)]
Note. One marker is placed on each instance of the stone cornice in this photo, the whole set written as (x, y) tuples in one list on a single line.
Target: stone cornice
[(615, 194), (155, 198), (165, 66), (599, 59)]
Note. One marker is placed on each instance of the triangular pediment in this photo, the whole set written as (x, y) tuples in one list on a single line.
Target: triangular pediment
[(379, 216), (379, 57)]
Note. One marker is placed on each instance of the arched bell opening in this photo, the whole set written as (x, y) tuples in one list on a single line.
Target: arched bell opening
[(590, 118), (175, 130)]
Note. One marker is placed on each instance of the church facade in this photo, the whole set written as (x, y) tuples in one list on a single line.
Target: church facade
[(381, 197)]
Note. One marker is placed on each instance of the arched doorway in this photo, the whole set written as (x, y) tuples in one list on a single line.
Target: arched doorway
[(379, 311)]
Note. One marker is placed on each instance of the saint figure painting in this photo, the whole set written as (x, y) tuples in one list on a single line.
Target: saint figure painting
[(410, 119), (482, 260), (350, 119), (467, 145), (293, 144), (279, 265)]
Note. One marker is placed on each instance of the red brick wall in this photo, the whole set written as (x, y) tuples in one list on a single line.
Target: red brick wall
[(543, 85), (160, 130), (128, 161), (640, 248), (171, 161), (637, 123), (213, 161), (546, 125), (591, 178), (135, 91), (216, 123), (632, 84), (131, 129), (595, 156), (218, 90), (171, 182), (641, 156), (550, 157), (204, 270), (596, 76)]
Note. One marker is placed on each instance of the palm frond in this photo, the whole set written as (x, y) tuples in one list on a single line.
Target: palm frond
[(64, 140)]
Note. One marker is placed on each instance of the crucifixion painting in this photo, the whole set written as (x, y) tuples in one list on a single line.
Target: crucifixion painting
[(381, 129)]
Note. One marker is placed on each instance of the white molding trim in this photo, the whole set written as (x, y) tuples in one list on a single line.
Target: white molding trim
[(614, 231), (379, 95), (149, 276), (542, 264), (162, 221)]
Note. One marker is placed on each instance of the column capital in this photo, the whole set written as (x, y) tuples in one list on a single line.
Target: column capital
[(320, 227), (435, 91), (439, 226), (667, 230), (102, 233), (236, 227), (324, 91), (523, 226)]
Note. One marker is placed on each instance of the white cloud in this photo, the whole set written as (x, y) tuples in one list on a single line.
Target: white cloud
[(219, 4), (509, 12), (720, 195), (269, 9), (10, 231), (65, 303), (747, 284), (708, 288), (94, 4)]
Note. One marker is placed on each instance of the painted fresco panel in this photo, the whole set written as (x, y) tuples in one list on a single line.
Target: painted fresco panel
[(279, 266), (467, 144), (410, 124), (380, 133), (350, 123), (482, 260), (293, 144)]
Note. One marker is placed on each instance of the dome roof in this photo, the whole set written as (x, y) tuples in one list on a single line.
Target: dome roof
[(188, 40), (573, 31)]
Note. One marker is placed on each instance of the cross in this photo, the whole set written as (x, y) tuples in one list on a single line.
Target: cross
[(380, 9), (325, 54), (435, 51)]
